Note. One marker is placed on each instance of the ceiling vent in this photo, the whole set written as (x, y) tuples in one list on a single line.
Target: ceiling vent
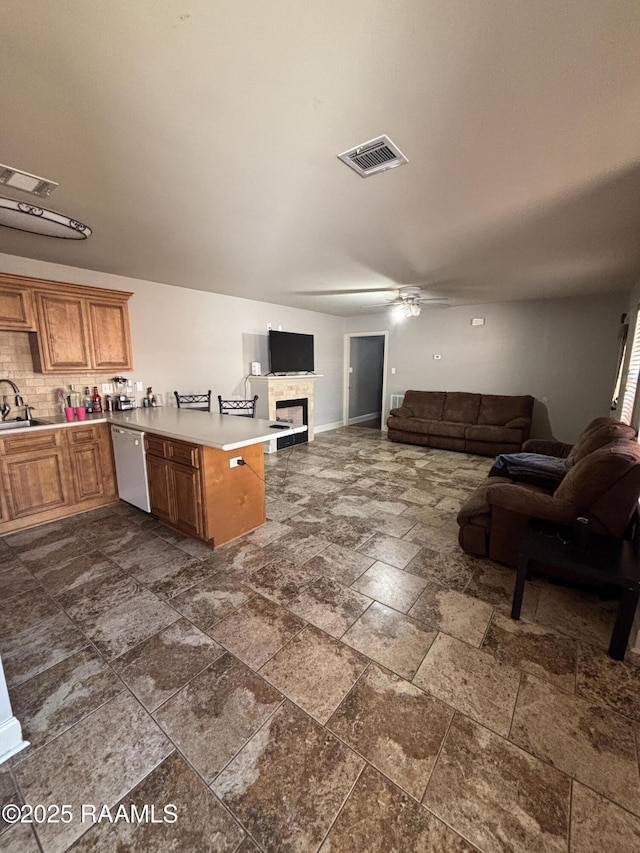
[(376, 155), (20, 180)]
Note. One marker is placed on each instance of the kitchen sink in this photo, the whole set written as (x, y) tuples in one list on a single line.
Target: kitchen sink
[(21, 424)]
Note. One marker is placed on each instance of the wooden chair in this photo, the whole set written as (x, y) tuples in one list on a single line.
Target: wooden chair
[(242, 408), (198, 402)]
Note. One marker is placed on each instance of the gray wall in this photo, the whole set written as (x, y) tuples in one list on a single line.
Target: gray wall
[(365, 380), (562, 351)]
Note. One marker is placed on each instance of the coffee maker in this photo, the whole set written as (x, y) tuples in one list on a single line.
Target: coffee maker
[(122, 402)]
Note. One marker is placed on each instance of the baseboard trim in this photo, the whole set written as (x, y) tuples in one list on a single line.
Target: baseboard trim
[(328, 427), (11, 740), (362, 418)]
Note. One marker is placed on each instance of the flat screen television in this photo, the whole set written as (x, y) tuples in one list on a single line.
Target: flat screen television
[(290, 352)]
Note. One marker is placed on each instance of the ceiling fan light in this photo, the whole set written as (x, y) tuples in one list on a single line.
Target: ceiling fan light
[(415, 310)]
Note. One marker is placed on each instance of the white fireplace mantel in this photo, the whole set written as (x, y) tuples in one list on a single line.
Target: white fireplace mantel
[(271, 389)]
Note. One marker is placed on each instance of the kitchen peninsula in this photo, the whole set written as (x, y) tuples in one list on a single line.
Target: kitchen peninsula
[(199, 481), (193, 486)]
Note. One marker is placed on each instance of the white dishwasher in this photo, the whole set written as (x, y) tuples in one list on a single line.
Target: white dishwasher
[(131, 466)]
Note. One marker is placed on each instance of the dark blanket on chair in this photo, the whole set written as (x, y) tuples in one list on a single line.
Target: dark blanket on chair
[(532, 468)]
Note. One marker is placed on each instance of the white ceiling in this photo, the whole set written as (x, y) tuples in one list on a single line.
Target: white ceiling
[(199, 139)]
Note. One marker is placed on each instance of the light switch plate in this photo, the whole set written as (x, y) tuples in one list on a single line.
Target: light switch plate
[(107, 388), (139, 386)]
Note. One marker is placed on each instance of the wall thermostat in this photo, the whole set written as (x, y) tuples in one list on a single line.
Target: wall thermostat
[(256, 368)]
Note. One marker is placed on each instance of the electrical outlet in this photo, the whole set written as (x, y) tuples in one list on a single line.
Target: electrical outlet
[(233, 463), (139, 386), (107, 388)]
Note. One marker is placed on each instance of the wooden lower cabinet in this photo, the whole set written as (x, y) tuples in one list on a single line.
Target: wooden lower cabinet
[(51, 474), (175, 486), (161, 492), (91, 462), (188, 500), (194, 490), (34, 474)]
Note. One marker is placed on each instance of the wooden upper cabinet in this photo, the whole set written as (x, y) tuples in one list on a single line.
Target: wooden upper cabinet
[(76, 328), (110, 334), (16, 309), (64, 336)]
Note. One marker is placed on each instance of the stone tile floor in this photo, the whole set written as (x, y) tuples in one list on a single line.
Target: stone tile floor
[(343, 679)]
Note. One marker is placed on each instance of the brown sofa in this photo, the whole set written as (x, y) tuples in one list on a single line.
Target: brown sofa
[(486, 424), (602, 485)]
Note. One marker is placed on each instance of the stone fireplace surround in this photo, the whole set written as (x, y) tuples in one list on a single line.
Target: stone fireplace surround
[(271, 389)]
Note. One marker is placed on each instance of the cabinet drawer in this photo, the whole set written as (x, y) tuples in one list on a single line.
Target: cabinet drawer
[(82, 435), (156, 446), (35, 441), (176, 451), (185, 454)]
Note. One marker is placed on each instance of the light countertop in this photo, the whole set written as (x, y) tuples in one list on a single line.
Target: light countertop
[(211, 429)]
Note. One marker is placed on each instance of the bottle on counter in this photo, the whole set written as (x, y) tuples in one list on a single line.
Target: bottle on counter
[(87, 402), (150, 398), (73, 397), (108, 403), (96, 400)]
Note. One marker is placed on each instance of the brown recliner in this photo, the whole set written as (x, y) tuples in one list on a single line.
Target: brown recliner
[(599, 432), (603, 486)]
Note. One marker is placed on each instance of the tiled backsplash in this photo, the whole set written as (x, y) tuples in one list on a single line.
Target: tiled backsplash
[(38, 389)]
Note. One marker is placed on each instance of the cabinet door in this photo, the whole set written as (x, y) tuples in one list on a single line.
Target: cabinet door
[(110, 334), (35, 478), (188, 500), (16, 308), (90, 463), (160, 488), (64, 339)]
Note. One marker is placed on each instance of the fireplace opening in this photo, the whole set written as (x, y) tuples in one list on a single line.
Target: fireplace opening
[(296, 413)]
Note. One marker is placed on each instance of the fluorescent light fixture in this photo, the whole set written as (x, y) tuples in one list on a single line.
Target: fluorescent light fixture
[(19, 180), (37, 220)]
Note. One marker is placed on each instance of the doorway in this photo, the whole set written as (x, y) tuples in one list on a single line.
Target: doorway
[(365, 379)]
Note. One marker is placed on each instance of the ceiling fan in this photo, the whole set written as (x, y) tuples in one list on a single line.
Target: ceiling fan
[(409, 301)]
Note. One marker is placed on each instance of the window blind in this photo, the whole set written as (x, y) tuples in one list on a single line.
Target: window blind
[(631, 385)]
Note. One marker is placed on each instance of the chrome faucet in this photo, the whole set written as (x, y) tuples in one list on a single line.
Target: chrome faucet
[(5, 408)]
